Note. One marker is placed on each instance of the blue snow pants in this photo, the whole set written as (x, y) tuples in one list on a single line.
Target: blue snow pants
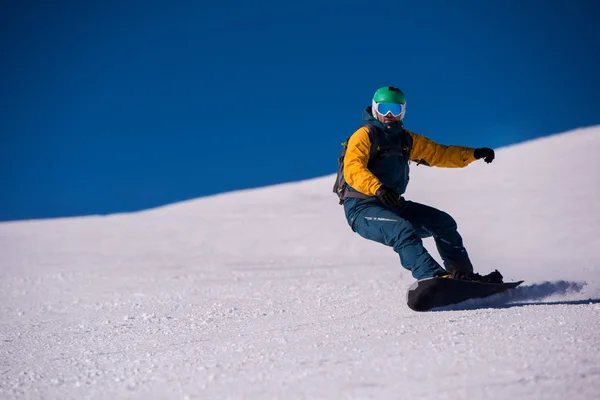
[(371, 220)]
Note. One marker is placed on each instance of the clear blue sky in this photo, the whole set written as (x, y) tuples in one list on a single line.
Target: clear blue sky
[(118, 106)]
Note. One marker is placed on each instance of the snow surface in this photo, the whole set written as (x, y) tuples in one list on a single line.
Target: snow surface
[(267, 293)]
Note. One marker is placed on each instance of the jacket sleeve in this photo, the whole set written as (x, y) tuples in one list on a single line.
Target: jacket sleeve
[(439, 155), (356, 159)]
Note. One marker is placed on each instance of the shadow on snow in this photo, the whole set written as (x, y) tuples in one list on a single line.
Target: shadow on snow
[(525, 296)]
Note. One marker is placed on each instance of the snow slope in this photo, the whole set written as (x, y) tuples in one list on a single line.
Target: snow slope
[(267, 293)]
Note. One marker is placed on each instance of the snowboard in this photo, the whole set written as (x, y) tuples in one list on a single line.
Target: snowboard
[(425, 294)]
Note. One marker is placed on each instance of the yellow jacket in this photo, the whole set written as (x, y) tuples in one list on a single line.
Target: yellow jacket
[(423, 150)]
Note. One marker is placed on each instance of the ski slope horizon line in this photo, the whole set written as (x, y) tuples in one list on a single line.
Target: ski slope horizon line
[(331, 176)]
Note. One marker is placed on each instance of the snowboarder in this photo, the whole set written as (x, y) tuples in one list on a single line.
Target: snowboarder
[(374, 185)]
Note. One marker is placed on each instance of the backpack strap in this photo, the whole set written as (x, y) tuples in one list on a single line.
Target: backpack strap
[(375, 137), (404, 146)]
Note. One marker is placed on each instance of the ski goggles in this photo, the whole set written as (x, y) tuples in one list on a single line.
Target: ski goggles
[(385, 108)]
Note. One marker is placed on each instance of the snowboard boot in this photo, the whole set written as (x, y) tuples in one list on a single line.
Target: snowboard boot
[(459, 266), (492, 277)]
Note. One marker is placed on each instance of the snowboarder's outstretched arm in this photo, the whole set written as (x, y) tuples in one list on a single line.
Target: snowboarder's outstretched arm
[(356, 172), (426, 151)]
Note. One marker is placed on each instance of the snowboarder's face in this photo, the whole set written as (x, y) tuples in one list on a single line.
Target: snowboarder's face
[(388, 113), (388, 118)]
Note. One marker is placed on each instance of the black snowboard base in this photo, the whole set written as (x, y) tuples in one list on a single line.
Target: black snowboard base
[(429, 293)]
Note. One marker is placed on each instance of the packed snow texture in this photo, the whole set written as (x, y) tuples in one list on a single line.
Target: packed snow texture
[(267, 293)]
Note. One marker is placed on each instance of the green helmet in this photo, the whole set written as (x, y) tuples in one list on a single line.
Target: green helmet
[(388, 94)]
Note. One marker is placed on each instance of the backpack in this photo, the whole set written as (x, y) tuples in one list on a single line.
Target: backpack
[(340, 186)]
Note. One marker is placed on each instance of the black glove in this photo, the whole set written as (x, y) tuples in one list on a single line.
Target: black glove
[(488, 155), (389, 197)]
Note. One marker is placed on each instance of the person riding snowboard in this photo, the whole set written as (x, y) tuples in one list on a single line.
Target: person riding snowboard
[(377, 177)]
